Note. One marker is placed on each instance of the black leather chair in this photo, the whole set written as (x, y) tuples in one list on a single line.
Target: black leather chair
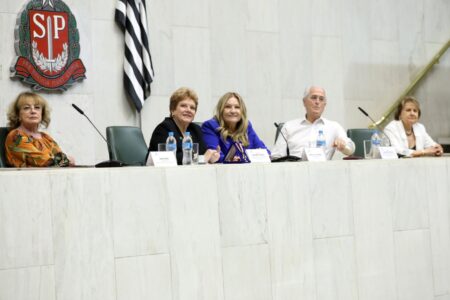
[(358, 135), (126, 144), (3, 133)]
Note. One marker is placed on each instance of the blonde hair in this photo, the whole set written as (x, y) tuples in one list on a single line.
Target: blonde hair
[(25, 97), (240, 134)]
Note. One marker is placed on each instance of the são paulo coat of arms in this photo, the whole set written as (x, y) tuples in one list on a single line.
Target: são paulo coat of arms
[(47, 46)]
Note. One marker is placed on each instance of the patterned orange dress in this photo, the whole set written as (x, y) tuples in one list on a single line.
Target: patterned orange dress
[(23, 150)]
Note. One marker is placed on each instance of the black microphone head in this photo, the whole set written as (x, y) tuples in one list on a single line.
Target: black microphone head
[(276, 124), (78, 109), (363, 111)]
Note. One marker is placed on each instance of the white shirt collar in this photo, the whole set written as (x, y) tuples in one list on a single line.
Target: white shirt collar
[(304, 121)]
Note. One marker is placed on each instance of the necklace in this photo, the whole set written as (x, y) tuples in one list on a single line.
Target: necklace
[(409, 133)]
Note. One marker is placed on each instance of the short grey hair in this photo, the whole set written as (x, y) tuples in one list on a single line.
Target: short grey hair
[(308, 89)]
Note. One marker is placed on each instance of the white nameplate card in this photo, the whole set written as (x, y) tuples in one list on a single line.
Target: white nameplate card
[(388, 153), (258, 155), (162, 159), (314, 154)]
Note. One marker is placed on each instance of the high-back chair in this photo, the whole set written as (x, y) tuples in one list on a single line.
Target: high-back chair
[(126, 144), (3, 133), (358, 135)]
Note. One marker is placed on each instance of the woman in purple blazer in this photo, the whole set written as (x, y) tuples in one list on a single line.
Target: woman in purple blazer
[(229, 127)]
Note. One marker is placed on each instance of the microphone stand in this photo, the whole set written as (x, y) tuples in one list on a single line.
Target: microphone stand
[(288, 157), (375, 124), (107, 163)]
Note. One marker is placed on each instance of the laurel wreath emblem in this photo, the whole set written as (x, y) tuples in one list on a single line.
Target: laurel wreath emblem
[(55, 72), (45, 65)]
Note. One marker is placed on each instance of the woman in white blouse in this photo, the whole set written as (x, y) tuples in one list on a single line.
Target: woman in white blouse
[(409, 137)]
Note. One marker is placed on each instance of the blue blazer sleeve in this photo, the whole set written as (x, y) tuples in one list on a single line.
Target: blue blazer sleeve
[(212, 137), (254, 140)]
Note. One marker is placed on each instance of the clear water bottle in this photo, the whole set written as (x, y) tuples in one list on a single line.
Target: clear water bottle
[(375, 141), (320, 141), (171, 143), (187, 149)]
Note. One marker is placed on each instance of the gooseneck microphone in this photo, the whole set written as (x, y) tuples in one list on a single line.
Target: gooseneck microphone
[(284, 138), (106, 163), (78, 109), (288, 157), (375, 123), (82, 112), (367, 115)]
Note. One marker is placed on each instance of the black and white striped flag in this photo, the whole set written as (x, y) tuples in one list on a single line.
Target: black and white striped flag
[(138, 68)]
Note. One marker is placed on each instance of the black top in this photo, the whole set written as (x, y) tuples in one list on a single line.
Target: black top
[(161, 133)]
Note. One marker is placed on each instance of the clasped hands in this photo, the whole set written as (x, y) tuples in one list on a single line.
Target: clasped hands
[(435, 150)]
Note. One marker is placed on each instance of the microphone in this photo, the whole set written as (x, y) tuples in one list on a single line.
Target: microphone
[(82, 112), (367, 115), (288, 157), (78, 109), (375, 123), (106, 163)]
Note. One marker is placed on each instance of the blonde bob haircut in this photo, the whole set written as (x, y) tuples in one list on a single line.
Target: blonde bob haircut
[(240, 134), (27, 98), (181, 94), (401, 105)]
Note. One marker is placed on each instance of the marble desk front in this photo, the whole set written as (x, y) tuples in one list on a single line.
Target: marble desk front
[(365, 230)]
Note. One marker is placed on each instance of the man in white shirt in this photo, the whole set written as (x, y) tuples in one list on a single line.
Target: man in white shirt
[(302, 133)]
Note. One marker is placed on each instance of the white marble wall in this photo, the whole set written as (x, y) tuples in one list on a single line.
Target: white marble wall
[(275, 232), (364, 52)]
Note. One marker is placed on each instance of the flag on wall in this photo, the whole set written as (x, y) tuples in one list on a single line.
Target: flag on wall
[(138, 68)]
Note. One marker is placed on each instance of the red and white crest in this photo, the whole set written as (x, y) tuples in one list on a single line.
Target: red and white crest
[(47, 46), (49, 40)]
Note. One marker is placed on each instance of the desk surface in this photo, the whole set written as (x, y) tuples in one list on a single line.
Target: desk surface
[(368, 229)]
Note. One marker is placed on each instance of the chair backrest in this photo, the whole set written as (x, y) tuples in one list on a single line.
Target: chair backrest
[(3, 133), (126, 144), (358, 135), (277, 133)]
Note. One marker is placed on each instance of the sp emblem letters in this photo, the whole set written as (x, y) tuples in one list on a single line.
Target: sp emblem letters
[(47, 46)]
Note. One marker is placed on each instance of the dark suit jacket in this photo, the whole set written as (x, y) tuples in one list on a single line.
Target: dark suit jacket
[(161, 133)]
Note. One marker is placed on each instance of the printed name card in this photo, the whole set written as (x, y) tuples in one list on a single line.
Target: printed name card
[(258, 155), (388, 153), (162, 159), (314, 154)]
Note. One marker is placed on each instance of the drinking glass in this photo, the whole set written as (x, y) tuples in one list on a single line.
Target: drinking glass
[(195, 153)]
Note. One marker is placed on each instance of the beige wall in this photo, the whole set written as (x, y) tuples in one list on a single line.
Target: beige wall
[(364, 52)]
